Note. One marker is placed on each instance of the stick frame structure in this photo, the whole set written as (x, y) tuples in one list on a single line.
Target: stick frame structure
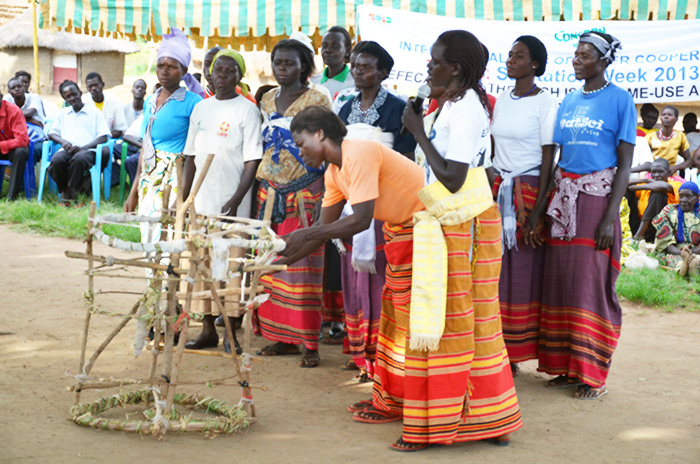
[(166, 306)]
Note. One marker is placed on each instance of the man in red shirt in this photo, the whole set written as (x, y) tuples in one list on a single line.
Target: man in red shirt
[(14, 144)]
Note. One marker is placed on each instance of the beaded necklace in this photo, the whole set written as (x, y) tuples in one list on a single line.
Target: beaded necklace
[(588, 92), (665, 138), (512, 95)]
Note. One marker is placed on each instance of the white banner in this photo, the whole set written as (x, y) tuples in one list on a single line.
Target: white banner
[(659, 60)]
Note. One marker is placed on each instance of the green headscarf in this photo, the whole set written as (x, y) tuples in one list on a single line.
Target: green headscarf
[(239, 60)]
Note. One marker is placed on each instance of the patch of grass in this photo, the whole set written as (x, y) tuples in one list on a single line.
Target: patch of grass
[(660, 288), (54, 220), (136, 64)]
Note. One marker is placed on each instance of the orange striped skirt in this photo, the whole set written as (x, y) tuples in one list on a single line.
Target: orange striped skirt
[(463, 391)]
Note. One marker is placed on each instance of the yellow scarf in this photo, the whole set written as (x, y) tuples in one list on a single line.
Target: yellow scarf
[(429, 284)]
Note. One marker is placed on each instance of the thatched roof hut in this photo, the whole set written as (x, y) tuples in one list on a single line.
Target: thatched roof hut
[(10, 9), (62, 55)]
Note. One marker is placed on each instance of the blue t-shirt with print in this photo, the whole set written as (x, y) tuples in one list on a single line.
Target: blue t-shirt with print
[(590, 127)]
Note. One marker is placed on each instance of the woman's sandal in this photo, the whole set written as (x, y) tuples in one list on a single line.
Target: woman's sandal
[(586, 392), (349, 366), (514, 369), (362, 377), (334, 338), (502, 441), (359, 406), (310, 359), (383, 417), (562, 381), (407, 447), (279, 349)]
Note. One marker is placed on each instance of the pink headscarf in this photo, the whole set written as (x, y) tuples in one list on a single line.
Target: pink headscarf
[(176, 46)]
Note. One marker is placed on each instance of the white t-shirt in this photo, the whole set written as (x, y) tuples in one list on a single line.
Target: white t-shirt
[(334, 85), (642, 152), (693, 140), (130, 114), (231, 129), (134, 129), (461, 132), (520, 128), (31, 100), (112, 109)]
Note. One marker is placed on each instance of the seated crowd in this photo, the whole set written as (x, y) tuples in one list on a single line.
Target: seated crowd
[(658, 182), (85, 121), (438, 247)]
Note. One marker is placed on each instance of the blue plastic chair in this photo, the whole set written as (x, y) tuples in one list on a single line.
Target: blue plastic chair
[(48, 150), (29, 174), (96, 172)]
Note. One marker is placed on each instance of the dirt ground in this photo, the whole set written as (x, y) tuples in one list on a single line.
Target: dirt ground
[(649, 416)]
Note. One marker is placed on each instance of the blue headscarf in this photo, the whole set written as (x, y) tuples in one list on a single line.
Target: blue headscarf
[(693, 187)]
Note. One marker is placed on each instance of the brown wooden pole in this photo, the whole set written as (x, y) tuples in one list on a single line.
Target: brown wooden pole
[(194, 266), (182, 209), (243, 376), (127, 262), (110, 337), (157, 283), (88, 311)]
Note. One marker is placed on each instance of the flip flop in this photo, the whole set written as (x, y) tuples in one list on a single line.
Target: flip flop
[(554, 383), (276, 350), (362, 377), (387, 417), (335, 336), (420, 446), (359, 406), (349, 366), (497, 442), (514, 369), (310, 360), (583, 389)]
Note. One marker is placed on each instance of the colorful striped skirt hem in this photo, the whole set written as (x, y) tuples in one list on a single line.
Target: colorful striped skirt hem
[(581, 315)]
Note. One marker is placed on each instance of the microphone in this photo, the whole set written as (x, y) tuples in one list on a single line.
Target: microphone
[(423, 93)]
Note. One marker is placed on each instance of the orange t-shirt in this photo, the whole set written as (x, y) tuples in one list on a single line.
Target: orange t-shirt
[(372, 171), (643, 196)]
